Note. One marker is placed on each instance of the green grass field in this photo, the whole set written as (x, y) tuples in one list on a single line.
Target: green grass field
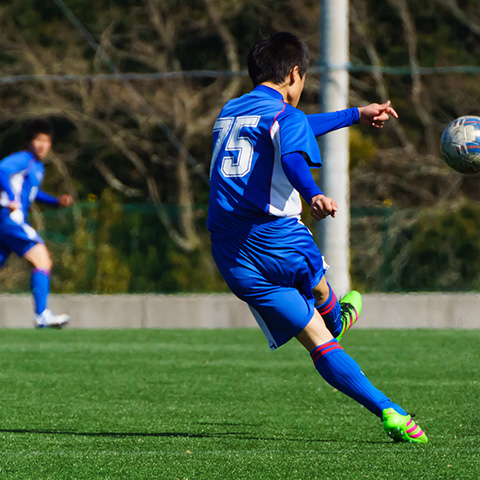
[(171, 404)]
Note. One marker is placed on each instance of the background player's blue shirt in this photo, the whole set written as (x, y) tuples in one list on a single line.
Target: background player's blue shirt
[(247, 181), (21, 175)]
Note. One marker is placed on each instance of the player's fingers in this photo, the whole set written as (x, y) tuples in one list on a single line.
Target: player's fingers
[(328, 208), (319, 212), (381, 117), (392, 112), (387, 108)]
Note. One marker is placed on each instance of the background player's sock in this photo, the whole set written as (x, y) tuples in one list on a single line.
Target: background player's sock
[(342, 372), (331, 313), (40, 284)]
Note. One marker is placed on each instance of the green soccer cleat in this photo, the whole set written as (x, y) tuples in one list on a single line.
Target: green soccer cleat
[(401, 428), (351, 305)]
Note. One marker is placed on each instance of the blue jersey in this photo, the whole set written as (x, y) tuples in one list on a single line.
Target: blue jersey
[(21, 175), (262, 147), (248, 183)]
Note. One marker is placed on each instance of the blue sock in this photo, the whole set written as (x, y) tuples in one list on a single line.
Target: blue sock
[(40, 284), (331, 313), (342, 372)]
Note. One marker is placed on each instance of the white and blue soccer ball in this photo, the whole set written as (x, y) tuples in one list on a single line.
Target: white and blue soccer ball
[(460, 144)]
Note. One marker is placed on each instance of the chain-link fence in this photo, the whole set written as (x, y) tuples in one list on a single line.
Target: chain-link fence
[(105, 246)]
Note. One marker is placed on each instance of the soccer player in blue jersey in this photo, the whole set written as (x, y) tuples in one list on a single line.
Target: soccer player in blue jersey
[(263, 149), (21, 175)]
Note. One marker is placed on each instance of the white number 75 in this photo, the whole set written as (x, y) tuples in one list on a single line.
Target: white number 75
[(234, 165)]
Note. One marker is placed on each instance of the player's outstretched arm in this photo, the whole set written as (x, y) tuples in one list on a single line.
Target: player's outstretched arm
[(60, 201), (322, 206), (375, 114), (322, 123)]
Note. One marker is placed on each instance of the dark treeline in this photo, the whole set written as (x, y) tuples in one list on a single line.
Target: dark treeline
[(148, 141)]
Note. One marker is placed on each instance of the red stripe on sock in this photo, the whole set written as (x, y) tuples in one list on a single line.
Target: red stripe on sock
[(323, 352), (324, 345), (320, 351), (328, 308)]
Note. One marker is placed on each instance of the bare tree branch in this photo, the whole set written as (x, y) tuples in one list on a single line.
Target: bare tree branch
[(418, 92), (359, 19)]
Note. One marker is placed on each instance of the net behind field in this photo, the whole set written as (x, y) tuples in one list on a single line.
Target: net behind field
[(105, 246)]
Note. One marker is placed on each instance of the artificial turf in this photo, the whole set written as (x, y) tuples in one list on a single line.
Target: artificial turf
[(217, 404)]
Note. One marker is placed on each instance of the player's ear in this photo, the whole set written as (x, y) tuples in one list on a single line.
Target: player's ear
[(294, 75)]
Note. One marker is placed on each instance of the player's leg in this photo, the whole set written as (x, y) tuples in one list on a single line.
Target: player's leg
[(339, 316), (39, 257), (284, 312), (342, 372), (22, 239), (339, 369), (274, 274), (328, 306)]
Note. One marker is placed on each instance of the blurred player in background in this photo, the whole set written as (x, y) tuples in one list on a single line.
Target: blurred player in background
[(262, 154), (21, 175)]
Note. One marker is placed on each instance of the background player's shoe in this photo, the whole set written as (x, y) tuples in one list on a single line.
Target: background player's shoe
[(401, 428), (351, 306), (49, 320)]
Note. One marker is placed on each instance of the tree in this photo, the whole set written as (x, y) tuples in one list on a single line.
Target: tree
[(150, 140)]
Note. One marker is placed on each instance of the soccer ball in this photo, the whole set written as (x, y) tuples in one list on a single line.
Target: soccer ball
[(460, 144)]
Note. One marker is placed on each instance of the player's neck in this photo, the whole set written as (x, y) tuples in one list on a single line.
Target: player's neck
[(282, 89), (289, 90)]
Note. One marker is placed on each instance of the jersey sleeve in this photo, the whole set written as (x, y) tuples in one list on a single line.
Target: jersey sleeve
[(296, 135), (322, 123), (44, 197), (298, 173), (15, 163)]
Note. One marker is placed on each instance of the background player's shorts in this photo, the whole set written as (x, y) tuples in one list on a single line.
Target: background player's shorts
[(274, 268), (16, 237)]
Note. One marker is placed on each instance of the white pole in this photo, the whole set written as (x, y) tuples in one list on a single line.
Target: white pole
[(334, 183)]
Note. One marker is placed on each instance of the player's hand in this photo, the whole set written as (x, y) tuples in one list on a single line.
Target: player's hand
[(13, 205), (375, 115), (322, 206), (65, 200)]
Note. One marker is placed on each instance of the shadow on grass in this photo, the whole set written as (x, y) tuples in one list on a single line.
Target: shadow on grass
[(239, 435)]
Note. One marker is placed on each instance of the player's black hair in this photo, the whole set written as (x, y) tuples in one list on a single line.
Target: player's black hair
[(35, 127), (272, 58)]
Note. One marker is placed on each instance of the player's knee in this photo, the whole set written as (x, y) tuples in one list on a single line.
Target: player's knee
[(48, 263), (46, 260), (315, 333), (43, 264), (39, 257)]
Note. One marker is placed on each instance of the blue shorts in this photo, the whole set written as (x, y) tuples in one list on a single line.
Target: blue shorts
[(274, 268), (18, 237)]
